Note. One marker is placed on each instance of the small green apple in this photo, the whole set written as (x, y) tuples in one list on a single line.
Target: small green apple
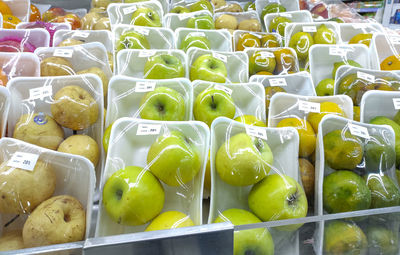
[(325, 87), (174, 159), (349, 62), (163, 66), (195, 40), (133, 196), (132, 40), (272, 8), (278, 197), (201, 22), (212, 103), (243, 160), (250, 6), (262, 61), (201, 5), (145, 16), (278, 24), (252, 241), (106, 137), (382, 240), (341, 237), (384, 192), (324, 35), (208, 68), (170, 220), (250, 120), (301, 43), (179, 10)]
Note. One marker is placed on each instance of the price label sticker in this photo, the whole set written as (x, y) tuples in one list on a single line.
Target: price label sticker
[(266, 54), (358, 131), (141, 30), (310, 29), (306, 106), (287, 15), (148, 129), (365, 76), (40, 92), (395, 39), (221, 57), (257, 132), (23, 160), (64, 53), (145, 86), (81, 34), (201, 34), (336, 51), (223, 88), (146, 53), (277, 82), (129, 9), (396, 103)]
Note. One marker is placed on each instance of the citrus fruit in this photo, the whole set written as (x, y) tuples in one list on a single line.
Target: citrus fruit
[(391, 63), (10, 21), (325, 108), (3, 78), (34, 14), (341, 237), (5, 9), (170, 220), (361, 38)]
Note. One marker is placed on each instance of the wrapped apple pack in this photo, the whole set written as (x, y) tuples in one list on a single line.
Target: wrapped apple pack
[(64, 37), (185, 6), (251, 168), (218, 40), (18, 64), (385, 50), (246, 39), (196, 20), (264, 7), (152, 64), (359, 33), (170, 158), (46, 195), (355, 166), (148, 14), (230, 6), (217, 66), (248, 21), (23, 40), (326, 59), (276, 22), (62, 113)]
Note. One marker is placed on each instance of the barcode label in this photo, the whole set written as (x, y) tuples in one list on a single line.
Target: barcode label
[(148, 129), (257, 132), (306, 106), (365, 76), (266, 54), (129, 9), (201, 34), (23, 160), (336, 51), (396, 103), (146, 53), (395, 39), (221, 57), (81, 34), (358, 131), (281, 82), (309, 29), (40, 92), (223, 88), (64, 53), (145, 86), (141, 30)]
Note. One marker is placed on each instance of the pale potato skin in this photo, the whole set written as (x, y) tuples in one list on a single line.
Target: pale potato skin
[(21, 191), (55, 66), (97, 71), (30, 129), (74, 108), (11, 241), (226, 21), (82, 145), (250, 25), (60, 219)]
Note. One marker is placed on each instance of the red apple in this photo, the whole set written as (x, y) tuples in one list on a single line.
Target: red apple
[(52, 13), (303, 5), (321, 10), (70, 18)]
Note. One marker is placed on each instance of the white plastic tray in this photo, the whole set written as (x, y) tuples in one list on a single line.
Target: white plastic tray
[(38, 37), (383, 46), (20, 64), (19, 8), (349, 30), (86, 36), (378, 103), (174, 20)]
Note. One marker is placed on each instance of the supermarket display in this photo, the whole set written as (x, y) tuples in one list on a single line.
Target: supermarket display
[(136, 126)]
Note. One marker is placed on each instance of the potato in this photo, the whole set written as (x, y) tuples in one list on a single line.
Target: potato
[(97, 71), (250, 25), (11, 241), (55, 66)]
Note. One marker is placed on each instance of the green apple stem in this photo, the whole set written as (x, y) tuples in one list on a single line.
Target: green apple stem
[(213, 104), (118, 194), (292, 199)]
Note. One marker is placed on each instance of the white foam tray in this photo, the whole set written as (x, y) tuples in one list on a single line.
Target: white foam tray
[(19, 8), (383, 46), (20, 64), (57, 26), (220, 40), (38, 37)]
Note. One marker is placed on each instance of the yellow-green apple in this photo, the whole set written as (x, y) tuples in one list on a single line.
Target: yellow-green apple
[(132, 40), (179, 10), (145, 16), (106, 137), (384, 192), (278, 197), (170, 220), (272, 8), (133, 196), (325, 87), (174, 158), (195, 39), (201, 5), (250, 120), (163, 66), (278, 25), (201, 22), (252, 241), (324, 35), (301, 43), (208, 68), (342, 237), (212, 103), (243, 160), (382, 240), (262, 61), (162, 103)]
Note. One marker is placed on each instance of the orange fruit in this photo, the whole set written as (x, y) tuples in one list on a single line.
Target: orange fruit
[(391, 63), (10, 21), (4, 9), (34, 14), (3, 78)]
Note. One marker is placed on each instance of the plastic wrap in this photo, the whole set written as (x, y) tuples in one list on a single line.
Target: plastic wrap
[(164, 4), (60, 15), (96, 19), (19, 8), (197, 20), (23, 40), (54, 176), (245, 162), (385, 51), (191, 6), (5, 101), (349, 31), (229, 6), (245, 39), (289, 5), (143, 147), (50, 27), (218, 40), (294, 16), (249, 21), (18, 64), (220, 67), (68, 37)]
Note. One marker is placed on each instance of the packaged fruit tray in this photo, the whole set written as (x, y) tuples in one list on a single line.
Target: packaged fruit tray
[(182, 6), (23, 40), (349, 31), (272, 20), (243, 39), (151, 146), (249, 21), (379, 103), (197, 20), (385, 50), (218, 40), (264, 6), (23, 64), (5, 100), (140, 98), (164, 4), (65, 37), (273, 153), (66, 183), (19, 8)]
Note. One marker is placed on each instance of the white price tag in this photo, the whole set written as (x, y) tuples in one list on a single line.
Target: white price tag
[(64, 53), (396, 103), (359, 25), (257, 132), (336, 51), (358, 131), (306, 106), (146, 53), (281, 82), (23, 160), (141, 30), (223, 88), (310, 29), (221, 57), (287, 15), (201, 34), (365, 76), (145, 86), (129, 9), (81, 34), (266, 54), (395, 39), (40, 92), (148, 129)]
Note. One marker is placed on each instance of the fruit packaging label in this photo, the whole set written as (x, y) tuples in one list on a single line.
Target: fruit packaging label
[(129, 10), (148, 129), (146, 53), (266, 54), (141, 30), (63, 53), (145, 86), (81, 34), (306, 106), (310, 29), (277, 82), (201, 34), (395, 39), (337, 51), (40, 92), (23, 160), (358, 131), (223, 88), (396, 103), (257, 132), (365, 76), (221, 57)]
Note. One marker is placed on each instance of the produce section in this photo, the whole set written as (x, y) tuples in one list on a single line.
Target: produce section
[(198, 127)]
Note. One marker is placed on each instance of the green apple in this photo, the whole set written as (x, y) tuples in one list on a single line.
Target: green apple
[(301, 43), (195, 39), (208, 68), (250, 120), (379, 155), (212, 103), (163, 104), (163, 66), (278, 25), (243, 160), (179, 10), (345, 191), (272, 8), (201, 5), (106, 137), (384, 192), (132, 40), (325, 87), (382, 240), (262, 61), (174, 159), (145, 16), (278, 197), (201, 22), (324, 35), (133, 196), (250, 6), (349, 62), (341, 237), (252, 241), (170, 220)]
